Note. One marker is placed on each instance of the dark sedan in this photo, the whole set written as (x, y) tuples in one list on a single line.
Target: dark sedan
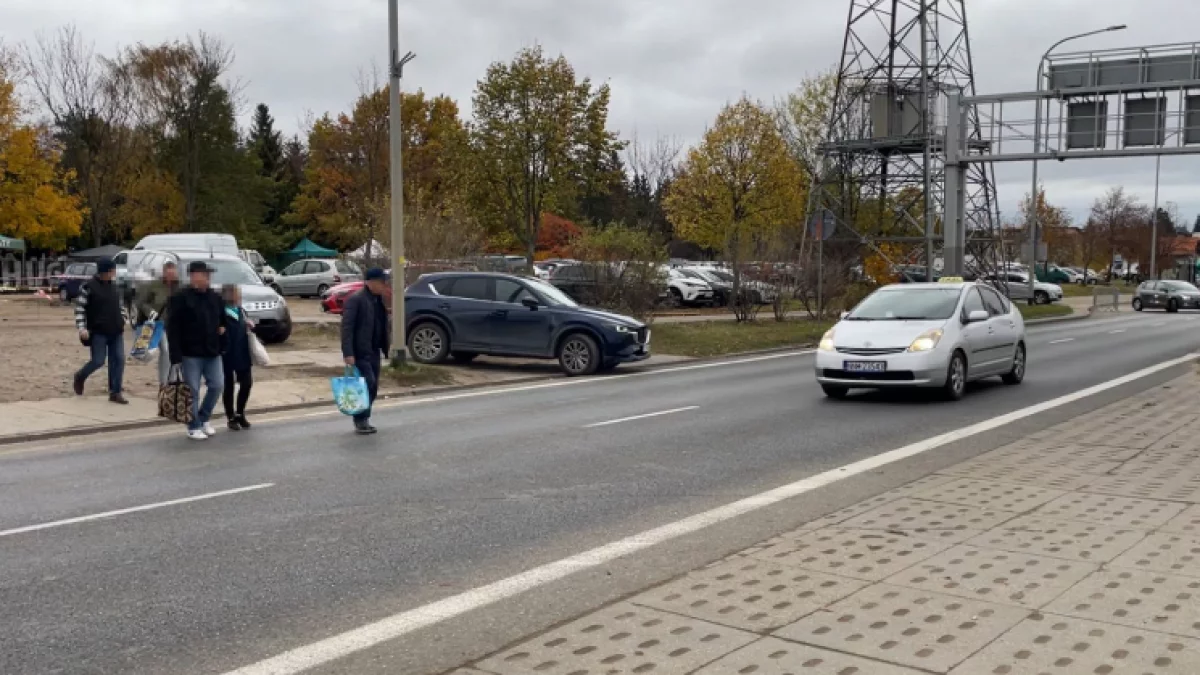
[(69, 284), (462, 315), (1169, 295)]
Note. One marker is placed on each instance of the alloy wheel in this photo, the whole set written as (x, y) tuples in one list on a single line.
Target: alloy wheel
[(958, 376), (427, 343), (576, 356)]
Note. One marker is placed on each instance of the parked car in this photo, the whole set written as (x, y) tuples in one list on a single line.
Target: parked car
[(266, 308), (722, 290), (937, 335), (461, 315), (209, 242), (1169, 295), (68, 285), (761, 292), (307, 278), (334, 299), (687, 290), (544, 268), (1015, 285)]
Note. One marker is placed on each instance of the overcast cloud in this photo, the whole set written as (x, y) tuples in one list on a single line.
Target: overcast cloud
[(671, 63)]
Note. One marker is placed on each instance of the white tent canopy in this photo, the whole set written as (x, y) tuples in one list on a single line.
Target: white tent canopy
[(378, 252)]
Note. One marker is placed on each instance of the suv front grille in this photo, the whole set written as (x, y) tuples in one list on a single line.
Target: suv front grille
[(871, 351)]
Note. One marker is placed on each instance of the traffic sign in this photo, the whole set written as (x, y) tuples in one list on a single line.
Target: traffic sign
[(822, 224)]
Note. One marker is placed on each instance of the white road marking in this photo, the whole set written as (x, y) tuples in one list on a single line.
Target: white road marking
[(1059, 342), (1160, 323), (132, 509), (403, 623), (1114, 332), (660, 413)]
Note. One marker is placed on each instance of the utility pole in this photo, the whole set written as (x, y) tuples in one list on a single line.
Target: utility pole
[(395, 140), (1154, 221)]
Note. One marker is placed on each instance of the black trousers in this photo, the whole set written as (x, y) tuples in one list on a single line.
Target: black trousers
[(369, 368), (244, 381)]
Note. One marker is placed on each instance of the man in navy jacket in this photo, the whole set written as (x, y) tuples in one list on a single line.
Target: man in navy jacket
[(365, 338)]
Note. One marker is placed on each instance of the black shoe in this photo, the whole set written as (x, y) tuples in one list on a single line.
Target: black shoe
[(233, 424), (364, 428), (241, 420), (77, 385), (117, 398)]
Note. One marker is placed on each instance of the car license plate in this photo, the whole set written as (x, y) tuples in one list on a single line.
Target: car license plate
[(865, 366)]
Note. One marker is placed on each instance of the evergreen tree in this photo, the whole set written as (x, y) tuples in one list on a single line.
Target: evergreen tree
[(1196, 227), (267, 142)]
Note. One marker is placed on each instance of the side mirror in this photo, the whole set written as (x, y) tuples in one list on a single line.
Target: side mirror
[(977, 316), (531, 303)]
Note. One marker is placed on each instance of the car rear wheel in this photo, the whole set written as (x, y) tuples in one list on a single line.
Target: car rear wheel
[(1017, 374), (1137, 304), (956, 378), (1041, 298), (1172, 305), (428, 343), (835, 392), (578, 355), (321, 290)]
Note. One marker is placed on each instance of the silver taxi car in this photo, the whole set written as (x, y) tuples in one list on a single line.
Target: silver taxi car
[(937, 335)]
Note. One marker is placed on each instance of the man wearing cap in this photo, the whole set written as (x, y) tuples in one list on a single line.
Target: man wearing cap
[(195, 323), (365, 337), (100, 319)]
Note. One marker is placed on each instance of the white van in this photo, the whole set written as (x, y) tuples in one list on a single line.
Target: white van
[(207, 241)]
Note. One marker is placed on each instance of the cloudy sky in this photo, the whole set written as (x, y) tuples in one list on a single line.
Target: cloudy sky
[(671, 63)]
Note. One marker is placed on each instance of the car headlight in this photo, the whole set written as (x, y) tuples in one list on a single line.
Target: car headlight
[(826, 341), (622, 328), (926, 341)]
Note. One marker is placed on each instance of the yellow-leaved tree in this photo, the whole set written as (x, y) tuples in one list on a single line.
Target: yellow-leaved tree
[(739, 187), (34, 202)]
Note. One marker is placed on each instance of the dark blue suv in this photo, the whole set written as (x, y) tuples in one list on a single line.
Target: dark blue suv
[(465, 314)]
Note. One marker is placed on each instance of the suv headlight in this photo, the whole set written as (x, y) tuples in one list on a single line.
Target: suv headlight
[(826, 341), (622, 328), (926, 341)]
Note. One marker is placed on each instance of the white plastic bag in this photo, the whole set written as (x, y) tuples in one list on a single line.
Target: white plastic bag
[(258, 353)]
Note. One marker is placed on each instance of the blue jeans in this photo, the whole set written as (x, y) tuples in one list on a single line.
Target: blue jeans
[(112, 347), (210, 369)]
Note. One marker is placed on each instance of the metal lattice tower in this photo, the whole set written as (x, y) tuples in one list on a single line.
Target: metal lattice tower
[(883, 163)]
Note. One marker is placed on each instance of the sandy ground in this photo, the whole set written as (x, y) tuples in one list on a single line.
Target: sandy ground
[(41, 352)]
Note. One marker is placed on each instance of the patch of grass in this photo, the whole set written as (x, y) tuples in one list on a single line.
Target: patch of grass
[(1043, 311), (415, 375), (714, 338)]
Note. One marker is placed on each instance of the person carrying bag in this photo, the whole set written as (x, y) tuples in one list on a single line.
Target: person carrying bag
[(236, 359)]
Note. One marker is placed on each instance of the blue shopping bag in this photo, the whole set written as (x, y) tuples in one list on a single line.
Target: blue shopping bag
[(350, 392), (147, 338)]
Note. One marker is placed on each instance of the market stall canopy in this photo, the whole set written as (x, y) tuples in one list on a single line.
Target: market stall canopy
[(10, 244), (378, 252), (98, 253), (307, 249)]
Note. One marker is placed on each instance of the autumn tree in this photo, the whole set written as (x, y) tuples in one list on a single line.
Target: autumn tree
[(540, 139), (1115, 215), (652, 165), (91, 104), (739, 187), (1054, 226), (35, 200), (804, 115), (190, 113)]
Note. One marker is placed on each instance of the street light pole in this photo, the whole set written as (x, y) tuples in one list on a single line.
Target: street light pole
[(1154, 221), (396, 174), (1034, 235)]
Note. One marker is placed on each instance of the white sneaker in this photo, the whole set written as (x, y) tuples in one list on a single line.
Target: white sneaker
[(209, 430), (197, 435)]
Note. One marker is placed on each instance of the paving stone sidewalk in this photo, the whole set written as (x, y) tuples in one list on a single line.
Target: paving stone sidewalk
[(1075, 551)]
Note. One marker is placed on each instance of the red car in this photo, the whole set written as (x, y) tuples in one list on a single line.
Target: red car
[(335, 298)]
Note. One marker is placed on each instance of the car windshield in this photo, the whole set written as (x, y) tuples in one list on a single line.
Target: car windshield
[(551, 294), (1181, 286), (915, 304), (230, 272), (705, 275), (723, 276)]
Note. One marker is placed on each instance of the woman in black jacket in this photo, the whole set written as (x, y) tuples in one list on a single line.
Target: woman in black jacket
[(235, 358)]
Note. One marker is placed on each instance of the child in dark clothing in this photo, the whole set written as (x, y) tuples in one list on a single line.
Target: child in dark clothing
[(235, 359)]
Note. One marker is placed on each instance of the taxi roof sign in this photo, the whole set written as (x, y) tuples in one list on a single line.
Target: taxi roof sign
[(951, 280)]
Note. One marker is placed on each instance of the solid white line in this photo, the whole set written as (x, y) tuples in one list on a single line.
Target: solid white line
[(132, 509), (1059, 342), (1160, 323), (403, 623), (641, 417), (1114, 332)]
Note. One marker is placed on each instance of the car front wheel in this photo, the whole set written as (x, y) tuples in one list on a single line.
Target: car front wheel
[(1017, 374), (428, 343), (956, 378), (578, 355), (1137, 304), (1041, 298)]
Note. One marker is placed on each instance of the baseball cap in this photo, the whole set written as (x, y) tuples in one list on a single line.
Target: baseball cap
[(374, 274), (198, 266), (105, 265)]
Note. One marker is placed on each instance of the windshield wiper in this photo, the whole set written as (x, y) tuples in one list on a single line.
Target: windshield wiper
[(912, 318), (859, 318)]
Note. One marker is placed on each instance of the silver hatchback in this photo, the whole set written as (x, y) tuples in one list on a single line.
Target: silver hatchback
[(939, 335), (315, 276)]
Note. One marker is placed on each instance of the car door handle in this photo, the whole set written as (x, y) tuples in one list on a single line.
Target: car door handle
[(499, 314), (444, 305)]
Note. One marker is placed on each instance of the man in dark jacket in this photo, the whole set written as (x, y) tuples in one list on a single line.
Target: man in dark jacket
[(100, 319), (365, 337), (152, 298), (195, 323)]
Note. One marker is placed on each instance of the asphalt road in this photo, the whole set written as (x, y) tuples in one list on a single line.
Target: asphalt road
[(453, 493)]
